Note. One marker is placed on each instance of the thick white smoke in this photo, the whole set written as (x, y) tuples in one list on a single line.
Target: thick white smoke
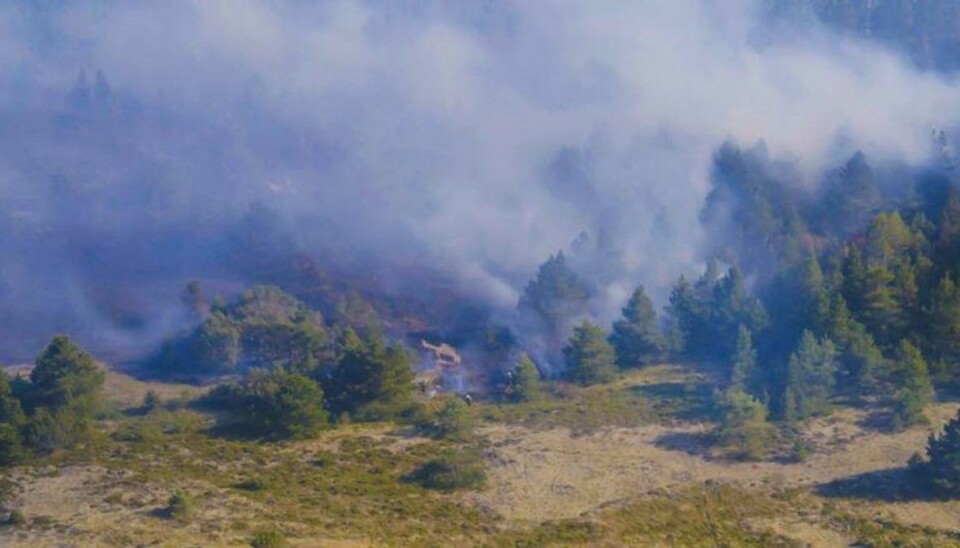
[(480, 136)]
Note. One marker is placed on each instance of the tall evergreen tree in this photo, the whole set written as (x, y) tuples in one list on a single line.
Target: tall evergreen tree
[(850, 197), (11, 410), (730, 307), (590, 358), (687, 319), (854, 280), (65, 375), (743, 366), (810, 378), (525, 382), (371, 378), (12, 421), (859, 360), (636, 336), (941, 332), (557, 295), (915, 388), (943, 458), (888, 238)]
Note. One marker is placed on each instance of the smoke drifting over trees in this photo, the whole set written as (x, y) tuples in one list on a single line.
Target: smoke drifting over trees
[(415, 148)]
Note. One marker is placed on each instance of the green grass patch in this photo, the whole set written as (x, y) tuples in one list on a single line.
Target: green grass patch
[(637, 397)]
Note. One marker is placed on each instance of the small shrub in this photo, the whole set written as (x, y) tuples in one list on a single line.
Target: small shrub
[(324, 459), (451, 471), (141, 431), (151, 401), (267, 539), (252, 484), (16, 518), (181, 506), (452, 421), (744, 430), (800, 451)]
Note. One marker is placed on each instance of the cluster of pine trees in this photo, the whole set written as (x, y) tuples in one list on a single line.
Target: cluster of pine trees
[(54, 407), (300, 375), (850, 291)]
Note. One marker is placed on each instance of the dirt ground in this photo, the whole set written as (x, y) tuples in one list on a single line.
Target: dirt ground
[(537, 476)]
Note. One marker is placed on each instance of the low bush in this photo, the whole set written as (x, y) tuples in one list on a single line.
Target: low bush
[(451, 471), (267, 539), (181, 506)]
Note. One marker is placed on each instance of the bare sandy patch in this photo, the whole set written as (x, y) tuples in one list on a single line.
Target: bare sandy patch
[(552, 474), (94, 506), (807, 534)]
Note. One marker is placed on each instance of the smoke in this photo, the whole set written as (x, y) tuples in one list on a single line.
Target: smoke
[(474, 138)]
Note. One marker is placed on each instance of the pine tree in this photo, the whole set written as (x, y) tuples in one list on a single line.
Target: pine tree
[(888, 237), (370, 378), (915, 388), (859, 360), (850, 197), (881, 311), (942, 322), (557, 294), (943, 458), (744, 363), (11, 411), (810, 378), (65, 375), (590, 358), (854, 280), (281, 404), (636, 337), (743, 428), (687, 319), (730, 307), (525, 382), (12, 421)]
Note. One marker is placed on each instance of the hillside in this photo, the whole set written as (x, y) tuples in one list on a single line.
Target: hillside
[(643, 478)]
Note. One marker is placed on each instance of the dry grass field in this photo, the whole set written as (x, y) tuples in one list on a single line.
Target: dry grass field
[(649, 481)]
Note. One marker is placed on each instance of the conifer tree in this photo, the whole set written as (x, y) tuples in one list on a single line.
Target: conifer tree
[(556, 295), (525, 382), (942, 321), (590, 358), (636, 336), (915, 388), (943, 458), (65, 375), (810, 378), (281, 404), (744, 363), (743, 428), (686, 316), (859, 359), (12, 421), (370, 378)]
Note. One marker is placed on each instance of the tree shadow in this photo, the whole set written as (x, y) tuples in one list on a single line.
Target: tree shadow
[(686, 401), (236, 430), (878, 420), (692, 443), (145, 371), (889, 485)]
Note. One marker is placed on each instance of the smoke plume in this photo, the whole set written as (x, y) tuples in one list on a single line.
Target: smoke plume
[(141, 143)]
